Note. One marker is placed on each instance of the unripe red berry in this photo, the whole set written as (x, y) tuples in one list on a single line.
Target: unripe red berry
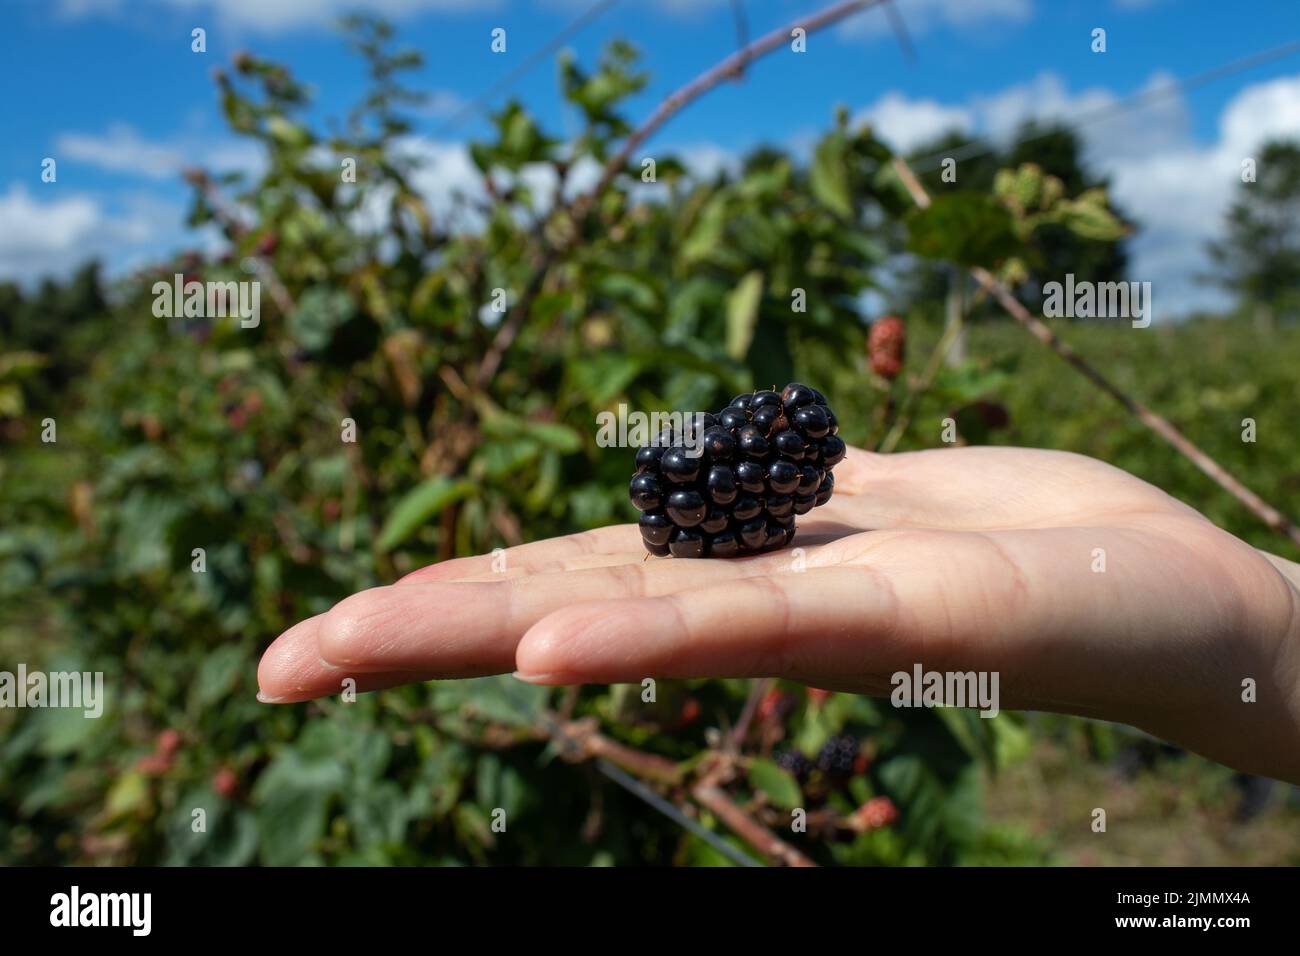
[(773, 705), (876, 813), (886, 343), (154, 765), (168, 742), (225, 781)]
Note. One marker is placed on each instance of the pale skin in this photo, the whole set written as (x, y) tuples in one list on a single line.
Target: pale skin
[(979, 559)]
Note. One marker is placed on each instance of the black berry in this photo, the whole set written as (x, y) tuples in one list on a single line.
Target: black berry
[(794, 762), (721, 485), (656, 528), (782, 477), (732, 484), (838, 755), (646, 491), (687, 543), (686, 507), (677, 465)]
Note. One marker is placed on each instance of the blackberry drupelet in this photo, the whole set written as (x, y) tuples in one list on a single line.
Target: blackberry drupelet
[(838, 755), (737, 487), (794, 762)]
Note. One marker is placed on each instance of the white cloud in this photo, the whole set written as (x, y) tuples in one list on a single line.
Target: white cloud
[(705, 160), (271, 16), (1108, 133), (122, 150), (921, 16), (906, 123), (1181, 193), (440, 104), (53, 232), (1176, 188)]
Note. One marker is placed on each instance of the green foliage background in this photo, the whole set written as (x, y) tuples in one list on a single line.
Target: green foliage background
[(175, 434)]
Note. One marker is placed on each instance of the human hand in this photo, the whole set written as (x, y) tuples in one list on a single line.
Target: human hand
[(972, 559)]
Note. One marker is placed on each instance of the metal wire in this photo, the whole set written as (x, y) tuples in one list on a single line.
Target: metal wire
[(1144, 98), (633, 785), (637, 788), (480, 102)]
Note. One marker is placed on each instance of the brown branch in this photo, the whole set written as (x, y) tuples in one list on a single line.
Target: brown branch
[(760, 837), (580, 741), (729, 69), (514, 322), (756, 694), (1157, 423), (234, 231)]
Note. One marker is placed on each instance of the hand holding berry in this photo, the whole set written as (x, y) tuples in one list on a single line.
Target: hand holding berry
[(958, 559)]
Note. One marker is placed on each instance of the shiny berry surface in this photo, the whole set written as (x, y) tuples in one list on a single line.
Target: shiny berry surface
[(734, 483)]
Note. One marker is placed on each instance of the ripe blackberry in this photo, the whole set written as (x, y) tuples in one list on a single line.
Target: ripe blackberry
[(837, 756), (794, 762), (734, 487)]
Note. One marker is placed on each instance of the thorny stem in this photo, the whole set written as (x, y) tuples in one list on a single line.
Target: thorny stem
[(580, 741), (756, 694), (729, 69), (234, 230), (1157, 423)]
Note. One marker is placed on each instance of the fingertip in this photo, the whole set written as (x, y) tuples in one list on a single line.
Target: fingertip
[(286, 658), (346, 635), (542, 645), (584, 643)]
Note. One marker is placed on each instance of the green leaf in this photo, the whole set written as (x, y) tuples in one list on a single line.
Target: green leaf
[(293, 797), (128, 795), (601, 377), (217, 674), (1089, 216), (742, 313), (970, 229), (561, 438), (830, 175), (780, 787), (418, 506), (705, 234), (500, 699), (318, 312)]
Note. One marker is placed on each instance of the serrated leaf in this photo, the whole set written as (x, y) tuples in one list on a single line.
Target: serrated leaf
[(418, 506), (1090, 217)]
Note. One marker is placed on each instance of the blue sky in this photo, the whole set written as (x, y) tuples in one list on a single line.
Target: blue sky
[(111, 89)]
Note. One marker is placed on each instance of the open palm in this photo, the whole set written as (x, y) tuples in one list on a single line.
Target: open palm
[(1087, 590)]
